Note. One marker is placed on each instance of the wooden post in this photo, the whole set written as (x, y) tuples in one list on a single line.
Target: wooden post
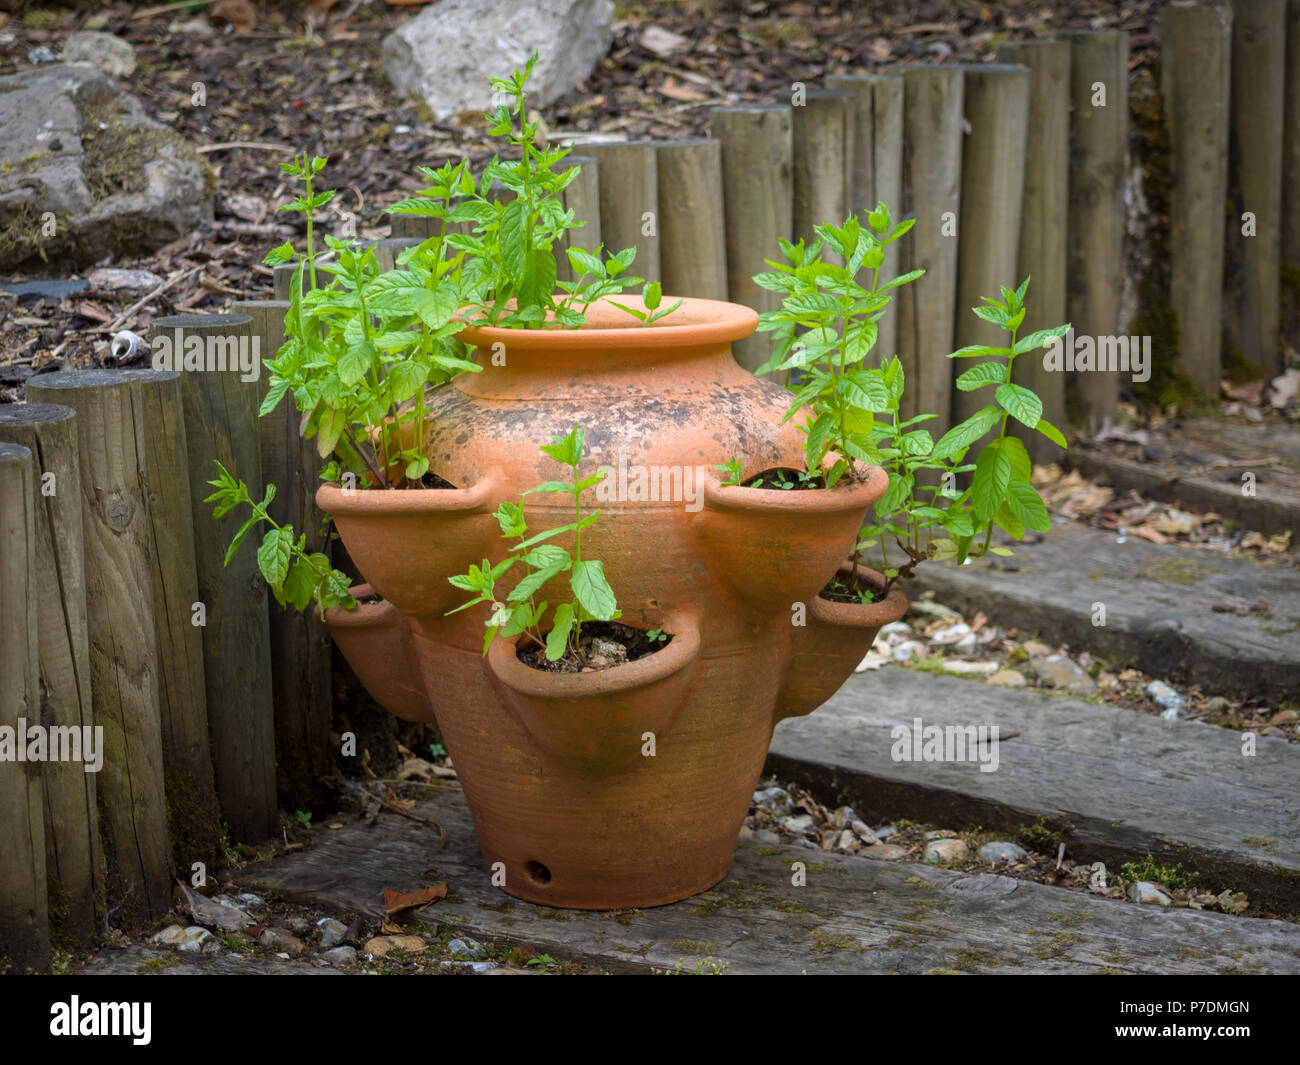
[(221, 425), (193, 818), (932, 146), (1042, 255), (124, 667), (582, 197), (692, 237), (878, 169), (1252, 278), (1290, 250), (629, 201), (992, 187), (824, 155), (283, 281), (386, 253), (24, 918), (1099, 134), (757, 169), (73, 862), (1195, 83), (416, 226), (300, 644)]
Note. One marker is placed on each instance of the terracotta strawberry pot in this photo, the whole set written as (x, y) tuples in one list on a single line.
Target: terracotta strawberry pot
[(624, 787)]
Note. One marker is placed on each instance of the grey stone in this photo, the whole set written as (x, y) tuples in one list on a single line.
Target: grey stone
[(778, 800), (1147, 892), (49, 291), (765, 837), (1001, 851), (1058, 671), (277, 939), (106, 51), (85, 173), (888, 852), (1168, 698), (341, 957), (943, 851), (444, 54), (797, 825), (478, 966), (331, 932), (465, 947), (133, 282), (191, 940)]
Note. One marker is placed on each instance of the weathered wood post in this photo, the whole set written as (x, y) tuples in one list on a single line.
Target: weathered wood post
[(692, 234), (73, 862), (629, 201), (1252, 279), (24, 918), (824, 156), (386, 253), (582, 197), (992, 188), (1195, 84), (932, 147), (1099, 134), (1044, 210), (300, 644), (124, 668), (219, 393), (757, 170), (878, 169), (1290, 251)]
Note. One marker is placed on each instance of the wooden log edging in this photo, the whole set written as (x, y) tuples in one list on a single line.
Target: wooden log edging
[(996, 100), (300, 648), (824, 157), (1252, 278), (582, 197), (1042, 255), (692, 234), (1290, 250), (628, 176), (24, 918), (931, 192), (757, 170), (73, 863), (1195, 84), (221, 425), (124, 667), (1099, 135)]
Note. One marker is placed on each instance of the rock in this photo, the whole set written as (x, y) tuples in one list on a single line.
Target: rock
[(32, 292), (943, 851), (445, 53), (971, 669), (1008, 678), (478, 966), (1035, 649), (341, 957), (277, 939), (1001, 851), (331, 932), (933, 609), (841, 816), (951, 634), (847, 841), (1219, 705), (41, 54), (906, 650), (746, 832), (872, 660), (940, 833), (797, 826), (1106, 680), (297, 923), (1166, 697), (1233, 902), (886, 852), (776, 799), (382, 946), (864, 833), (1059, 671), (885, 831), (248, 899), (612, 650), (191, 940), (110, 53), (1284, 717), (128, 282), (895, 628), (75, 146), (465, 947), (767, 838), (1146, 892)]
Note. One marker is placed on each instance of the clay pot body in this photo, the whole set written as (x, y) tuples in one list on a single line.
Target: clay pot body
[(623, 787)]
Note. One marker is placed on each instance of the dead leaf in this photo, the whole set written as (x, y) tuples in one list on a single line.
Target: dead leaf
[(396, 902), (680, 93), (239, 13), (206, 912), (1251, 392), (662, 42), (1148, 533)]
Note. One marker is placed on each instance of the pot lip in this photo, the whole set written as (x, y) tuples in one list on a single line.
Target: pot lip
[(364, 615), (862, 615), (536, 683), (372, 501), (856, 496), (702, 322)]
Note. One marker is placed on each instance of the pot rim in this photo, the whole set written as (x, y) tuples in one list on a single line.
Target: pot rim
[(862, 615), (364, 615), (858, 495), (702, 322), (371, 501), (680, 653)]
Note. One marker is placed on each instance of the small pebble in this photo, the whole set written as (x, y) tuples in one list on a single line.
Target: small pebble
[(331, 932), (1008, 678), (943, 851), (341, 957), (466, 948), (1001, 851), (1146, 892)]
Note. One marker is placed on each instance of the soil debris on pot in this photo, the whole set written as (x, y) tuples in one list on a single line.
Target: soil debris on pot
[(787, 478), (605, 644), (842, 590)]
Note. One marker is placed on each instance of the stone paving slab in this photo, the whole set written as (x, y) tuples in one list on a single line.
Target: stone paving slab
[(853, 915), (1117, 783)]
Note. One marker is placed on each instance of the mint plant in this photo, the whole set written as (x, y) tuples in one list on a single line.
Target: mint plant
[(519, 611), (825, 330)]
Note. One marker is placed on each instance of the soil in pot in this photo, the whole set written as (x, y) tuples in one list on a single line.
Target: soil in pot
[(605, 644), (845, 589), (784, 477)]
